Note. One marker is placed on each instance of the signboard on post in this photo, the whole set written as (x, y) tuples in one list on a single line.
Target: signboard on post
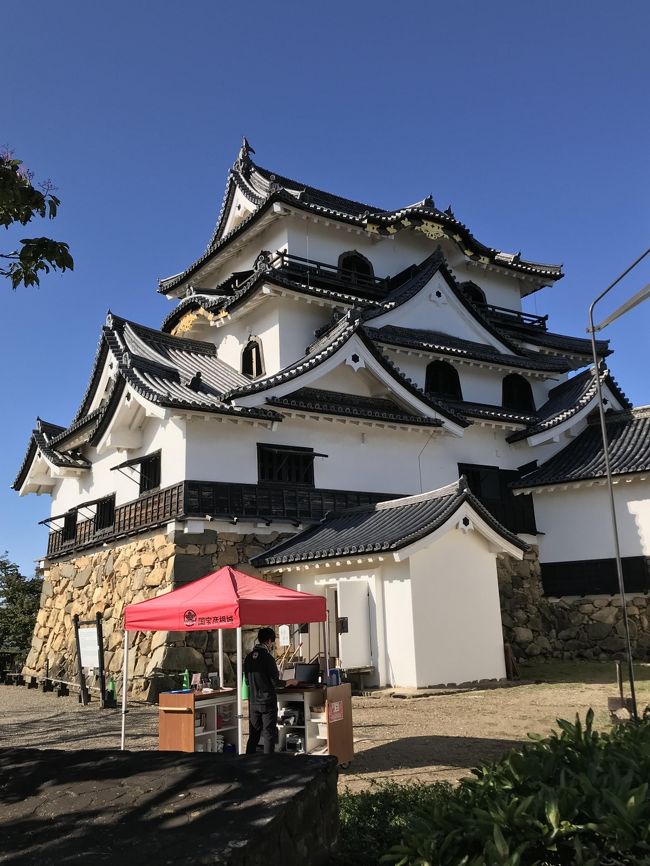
[(89, 647)]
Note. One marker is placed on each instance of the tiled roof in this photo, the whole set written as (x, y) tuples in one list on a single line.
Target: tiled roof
[(351, 405), (41, 440), (490, 412), (386, 526), (443, 344), (162, 368), (628, 436), (323, 348), (263, 187), (550, 340), (567, 399), (271, 276)]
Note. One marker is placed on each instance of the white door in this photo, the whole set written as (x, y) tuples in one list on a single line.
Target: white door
[(354, 606)]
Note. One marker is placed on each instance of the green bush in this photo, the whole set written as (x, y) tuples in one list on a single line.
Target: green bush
[(578, 797), (374, 821)]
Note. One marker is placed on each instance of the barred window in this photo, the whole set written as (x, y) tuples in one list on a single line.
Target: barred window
[(517, 394), (251, 359), (285, 465), (70, 526), (442, 381), (150, 472), (105, 514)]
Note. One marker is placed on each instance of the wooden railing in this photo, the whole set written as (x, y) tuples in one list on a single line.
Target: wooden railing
[(516, 317), (331, 275), (220, 500)]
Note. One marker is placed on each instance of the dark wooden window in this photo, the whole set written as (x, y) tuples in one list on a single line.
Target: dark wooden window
[(474, 293), (442, 381), (251, 359), (491, 486), (356, 263), (105, 514), (285, 465), (517, 394), (595, 576), (150, 472), (70, 526)]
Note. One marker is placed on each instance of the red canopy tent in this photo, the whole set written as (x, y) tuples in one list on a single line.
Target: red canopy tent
[(225, 599)]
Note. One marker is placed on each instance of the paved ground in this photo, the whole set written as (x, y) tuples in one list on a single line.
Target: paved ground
[(427, 738)]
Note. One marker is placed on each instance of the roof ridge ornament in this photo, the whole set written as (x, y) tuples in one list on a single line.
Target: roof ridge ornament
[(243, 160)]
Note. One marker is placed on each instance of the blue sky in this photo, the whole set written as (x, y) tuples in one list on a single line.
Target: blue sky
[(531, 120)]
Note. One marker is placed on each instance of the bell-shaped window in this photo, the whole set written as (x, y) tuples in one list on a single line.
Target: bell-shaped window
[(474, 293), (251, 359), (355, 263), (442, 381), (517, 394)]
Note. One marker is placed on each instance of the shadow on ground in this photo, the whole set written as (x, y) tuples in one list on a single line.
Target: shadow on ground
[(147, 807), (418, 752)]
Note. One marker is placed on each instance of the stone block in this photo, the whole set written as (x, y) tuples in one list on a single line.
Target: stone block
[(607, 615), (155, 577), (228, 556), (596, 631), (46, 591), (188, 568), (522, 635), (181, 657), (600, 602), (614, 643), (197, 639), (148, 559)]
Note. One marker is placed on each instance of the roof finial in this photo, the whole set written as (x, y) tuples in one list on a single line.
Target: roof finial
[(243, 157)]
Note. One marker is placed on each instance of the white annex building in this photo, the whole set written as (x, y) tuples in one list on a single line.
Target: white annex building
[(352, 401)]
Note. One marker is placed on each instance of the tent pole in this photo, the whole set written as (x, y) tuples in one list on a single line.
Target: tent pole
[(240, 676), (125, 676), (326, 642), (220, 658)]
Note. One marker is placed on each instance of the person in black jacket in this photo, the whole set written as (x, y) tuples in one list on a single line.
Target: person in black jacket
[(262, 678)]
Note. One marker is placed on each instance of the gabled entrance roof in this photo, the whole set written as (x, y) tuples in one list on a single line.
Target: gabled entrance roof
[(386, 527)]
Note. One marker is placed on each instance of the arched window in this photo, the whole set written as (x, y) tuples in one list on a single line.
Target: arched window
[(251, 359), (475, 294), (517, 394), (442, 381), (356, 263)]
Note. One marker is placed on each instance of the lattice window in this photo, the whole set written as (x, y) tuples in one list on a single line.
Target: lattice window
[(474, 293), (356, 263)]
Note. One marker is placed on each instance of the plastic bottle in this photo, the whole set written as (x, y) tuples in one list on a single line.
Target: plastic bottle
[(111, 686), (186, 679)]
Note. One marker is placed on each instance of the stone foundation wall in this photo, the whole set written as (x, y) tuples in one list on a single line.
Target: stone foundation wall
[(108, 580), (566, 628)]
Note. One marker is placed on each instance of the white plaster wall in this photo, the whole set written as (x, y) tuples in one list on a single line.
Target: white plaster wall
[(456, 611), (436, 308), (101, 481), (273, 238), (577, 523), (400, 658), (500, 290), (478, 384), (285, 326), (359, 457), (325, 243)]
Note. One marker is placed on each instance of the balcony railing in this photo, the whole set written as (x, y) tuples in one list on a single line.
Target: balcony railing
[(515, 317), (322, 274), (215, 499)]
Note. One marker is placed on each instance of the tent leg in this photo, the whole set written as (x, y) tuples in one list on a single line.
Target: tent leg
[(327, 647), (125, 677), (220, 658), (240, 676)]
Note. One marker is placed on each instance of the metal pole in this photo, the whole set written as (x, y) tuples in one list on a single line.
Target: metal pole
[(610, 485), (220, 658), (125, 678), (83, 691), (102, 672), (240, 709)]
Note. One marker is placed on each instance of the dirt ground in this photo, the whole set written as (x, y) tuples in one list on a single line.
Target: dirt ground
[(431, 738)]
